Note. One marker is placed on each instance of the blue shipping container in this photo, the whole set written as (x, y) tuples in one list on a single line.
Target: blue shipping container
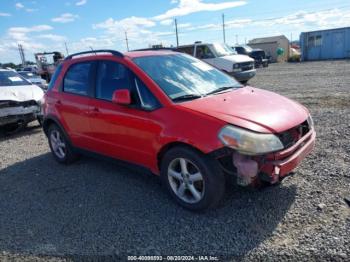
[(325, 44)]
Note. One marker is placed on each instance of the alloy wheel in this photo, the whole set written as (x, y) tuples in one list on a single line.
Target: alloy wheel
[(58, 144), (186, 180)]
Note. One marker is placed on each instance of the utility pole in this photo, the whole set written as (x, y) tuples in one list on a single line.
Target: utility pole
[(237, 39), (65, 44), (223, 27), (21, 53), (177, 35), (127, 41)]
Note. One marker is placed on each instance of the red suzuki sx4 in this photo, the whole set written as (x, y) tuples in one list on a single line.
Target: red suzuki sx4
[(178, 117)]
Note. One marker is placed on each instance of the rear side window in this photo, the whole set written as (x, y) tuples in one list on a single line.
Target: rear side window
[(77, 79), (54, 77)]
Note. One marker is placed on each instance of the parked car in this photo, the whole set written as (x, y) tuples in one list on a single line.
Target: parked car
[(20, 101), (176, 116), (257, 54), (34, 79), (224, 58)]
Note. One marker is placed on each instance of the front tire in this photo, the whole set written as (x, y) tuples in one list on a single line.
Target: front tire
[(60, 147), (193, 179)]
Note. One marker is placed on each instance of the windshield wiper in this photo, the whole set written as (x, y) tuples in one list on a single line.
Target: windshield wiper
[(220, 89), (186, 97)]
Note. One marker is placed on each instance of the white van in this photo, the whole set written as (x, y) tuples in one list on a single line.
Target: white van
[(222, 57)]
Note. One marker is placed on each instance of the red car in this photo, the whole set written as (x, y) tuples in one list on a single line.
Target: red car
[(176, 116)]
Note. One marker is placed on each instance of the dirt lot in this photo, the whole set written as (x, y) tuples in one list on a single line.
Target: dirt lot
[(99, 210)]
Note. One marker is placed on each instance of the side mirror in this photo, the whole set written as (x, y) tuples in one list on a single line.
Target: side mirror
[(121, 97)]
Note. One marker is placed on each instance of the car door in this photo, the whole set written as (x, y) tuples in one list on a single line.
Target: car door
[(123, 132), (73, 102)]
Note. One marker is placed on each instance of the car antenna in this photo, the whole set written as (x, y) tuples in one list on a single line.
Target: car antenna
[(92, 49)]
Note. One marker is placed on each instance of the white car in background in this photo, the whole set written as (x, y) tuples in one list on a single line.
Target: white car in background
[(222, 57), (20, 101)]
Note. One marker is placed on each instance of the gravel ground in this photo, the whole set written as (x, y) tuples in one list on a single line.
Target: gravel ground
[(101, 210)]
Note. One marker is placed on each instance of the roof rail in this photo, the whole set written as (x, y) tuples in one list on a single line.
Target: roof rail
[(113, 52), (155, 49)]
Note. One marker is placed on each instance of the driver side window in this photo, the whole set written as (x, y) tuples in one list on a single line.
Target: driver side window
[(112, 76)]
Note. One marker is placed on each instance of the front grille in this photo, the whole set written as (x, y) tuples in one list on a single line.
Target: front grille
[(5, 104), (246, 66), (293, 135)]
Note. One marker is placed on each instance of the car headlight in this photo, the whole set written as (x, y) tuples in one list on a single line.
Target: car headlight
[(235, 66), (248, 142)]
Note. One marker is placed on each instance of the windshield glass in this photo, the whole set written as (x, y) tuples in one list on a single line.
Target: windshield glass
[(181, 75), (248, 48), (28, 75), (10, 78), (258, 53), (223, 50)]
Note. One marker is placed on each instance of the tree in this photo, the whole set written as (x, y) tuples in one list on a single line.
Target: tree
[(11, 65)]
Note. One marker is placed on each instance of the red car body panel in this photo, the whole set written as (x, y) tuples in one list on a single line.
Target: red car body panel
[(125, 133), (252, 108), (139, 136)]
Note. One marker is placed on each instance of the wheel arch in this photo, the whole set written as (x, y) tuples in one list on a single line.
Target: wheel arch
[(49, 120), (172, 145)]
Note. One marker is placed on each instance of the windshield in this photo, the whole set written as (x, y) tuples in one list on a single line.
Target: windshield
[(10, 78), (248, 48), (28, 75), (223, 50), (258, 53), (181, 75)]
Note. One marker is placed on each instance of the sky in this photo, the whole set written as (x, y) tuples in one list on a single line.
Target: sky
[(84, 24)]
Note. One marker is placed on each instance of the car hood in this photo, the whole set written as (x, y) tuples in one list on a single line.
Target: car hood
[(252, 108), (237, 58), (21, 93)]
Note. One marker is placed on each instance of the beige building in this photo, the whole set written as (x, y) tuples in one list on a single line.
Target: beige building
[(270, 46)]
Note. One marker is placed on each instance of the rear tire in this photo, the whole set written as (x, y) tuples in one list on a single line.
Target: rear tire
[(60, 147), (193, 179)]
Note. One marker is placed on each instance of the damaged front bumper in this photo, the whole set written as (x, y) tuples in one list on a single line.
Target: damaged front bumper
[(280, 164), (271, 168), (15, 112)]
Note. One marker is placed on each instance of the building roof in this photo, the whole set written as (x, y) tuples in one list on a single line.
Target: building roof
[(324, 30), (270, 39)]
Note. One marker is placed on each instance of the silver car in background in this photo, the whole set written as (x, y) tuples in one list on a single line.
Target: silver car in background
[(20, 101), (34, 78)]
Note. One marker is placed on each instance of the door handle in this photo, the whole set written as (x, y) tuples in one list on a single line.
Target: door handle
[(58, 102)]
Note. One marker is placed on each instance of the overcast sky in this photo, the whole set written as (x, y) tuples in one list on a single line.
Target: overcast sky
[(46, 25)]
